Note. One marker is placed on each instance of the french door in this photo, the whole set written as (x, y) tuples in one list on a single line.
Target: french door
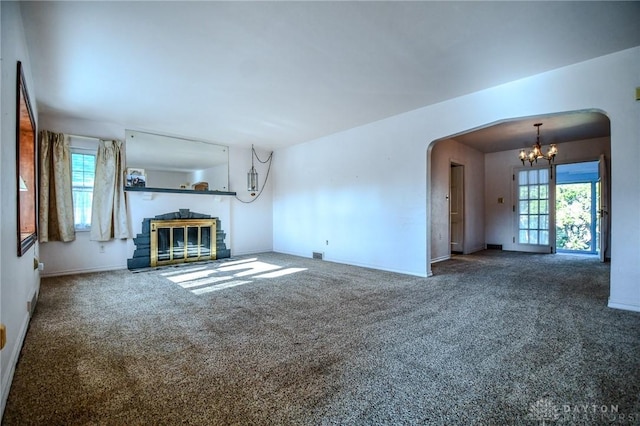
[(535, 212)]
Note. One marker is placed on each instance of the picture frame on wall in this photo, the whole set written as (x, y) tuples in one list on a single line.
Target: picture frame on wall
[(136, 177)]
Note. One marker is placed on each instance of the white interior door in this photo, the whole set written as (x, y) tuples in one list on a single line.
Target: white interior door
[(534, 195), (456, 208)]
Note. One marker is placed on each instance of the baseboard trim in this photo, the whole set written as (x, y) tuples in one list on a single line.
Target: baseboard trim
[(83, 271), (358, 264), (440, 259), (13, 361), (624, 306)]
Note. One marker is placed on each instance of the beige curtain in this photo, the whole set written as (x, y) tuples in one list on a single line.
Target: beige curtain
[(55, 211), (109, 214)]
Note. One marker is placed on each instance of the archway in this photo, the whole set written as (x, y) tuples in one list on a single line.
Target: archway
[(490, 153)]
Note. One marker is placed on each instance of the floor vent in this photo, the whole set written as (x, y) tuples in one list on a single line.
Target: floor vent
[(318, 255), (494, 246)]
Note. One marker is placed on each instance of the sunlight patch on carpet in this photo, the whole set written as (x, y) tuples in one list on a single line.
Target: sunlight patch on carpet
[(281, 273), (219, 287), (192, 276), (213, 277), (250, 268), (183, 270), (204, 281)]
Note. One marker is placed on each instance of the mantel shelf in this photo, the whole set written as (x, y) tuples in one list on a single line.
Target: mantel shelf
[(176, 191)]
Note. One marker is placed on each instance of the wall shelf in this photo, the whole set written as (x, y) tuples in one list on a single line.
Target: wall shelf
[(176, 191)]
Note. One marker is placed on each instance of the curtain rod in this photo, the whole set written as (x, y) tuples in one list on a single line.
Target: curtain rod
[(90, 137), (84, 137)]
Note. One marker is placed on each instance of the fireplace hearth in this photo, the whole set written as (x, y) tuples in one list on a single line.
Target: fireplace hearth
[(178, 237)]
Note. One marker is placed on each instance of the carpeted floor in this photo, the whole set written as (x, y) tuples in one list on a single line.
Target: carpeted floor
[(492, 338)]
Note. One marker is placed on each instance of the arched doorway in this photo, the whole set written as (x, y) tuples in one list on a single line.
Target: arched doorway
[(490, 155)]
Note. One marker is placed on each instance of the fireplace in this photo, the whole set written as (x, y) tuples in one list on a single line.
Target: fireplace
[(182, 240), (178, 237)]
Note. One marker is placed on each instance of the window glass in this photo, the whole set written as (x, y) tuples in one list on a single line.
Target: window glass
[(533, 207), (83, 168)]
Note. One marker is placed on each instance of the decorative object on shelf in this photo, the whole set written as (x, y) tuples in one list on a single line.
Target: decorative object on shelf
[(201, 186), (252, 176), (536, 152), (136, 177)]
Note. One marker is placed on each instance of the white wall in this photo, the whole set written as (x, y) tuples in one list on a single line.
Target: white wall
[(357, 196), (499, 168), (365, 190), (251, 216), (442, 155), (18, 279), (217, 177)]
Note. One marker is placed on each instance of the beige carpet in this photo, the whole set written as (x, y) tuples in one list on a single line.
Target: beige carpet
[(492, 338)]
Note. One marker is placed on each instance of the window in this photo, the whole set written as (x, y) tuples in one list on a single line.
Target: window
[(83, 168)]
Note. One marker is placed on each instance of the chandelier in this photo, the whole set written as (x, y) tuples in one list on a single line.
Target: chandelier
[(536, 152)]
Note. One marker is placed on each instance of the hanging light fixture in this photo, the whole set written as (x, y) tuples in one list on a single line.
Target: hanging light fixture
[(536, 152), (252, 176)]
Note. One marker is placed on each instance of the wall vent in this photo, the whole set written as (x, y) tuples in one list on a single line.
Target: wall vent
[(494, 246), (318, 255)]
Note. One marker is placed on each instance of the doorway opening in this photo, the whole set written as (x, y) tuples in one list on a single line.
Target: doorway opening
[(493, 207), (456, 208), (578, 226)]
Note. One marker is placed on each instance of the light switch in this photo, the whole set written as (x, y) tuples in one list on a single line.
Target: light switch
[(500, 200)]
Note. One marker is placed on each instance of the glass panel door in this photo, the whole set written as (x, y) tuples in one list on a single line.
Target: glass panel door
[(164, 244), (205, 241), (178, 243), (533, 210), (193, 241)]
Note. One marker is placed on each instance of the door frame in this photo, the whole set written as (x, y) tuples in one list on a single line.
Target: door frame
[(459, 195)]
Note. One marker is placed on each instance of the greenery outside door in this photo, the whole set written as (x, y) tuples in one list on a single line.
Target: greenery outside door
[(577, 202)]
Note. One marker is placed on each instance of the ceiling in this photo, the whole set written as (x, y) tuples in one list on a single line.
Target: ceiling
[(521, 133), (276, 74)]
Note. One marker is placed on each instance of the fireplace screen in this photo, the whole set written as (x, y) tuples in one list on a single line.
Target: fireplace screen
[(182, 240)]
